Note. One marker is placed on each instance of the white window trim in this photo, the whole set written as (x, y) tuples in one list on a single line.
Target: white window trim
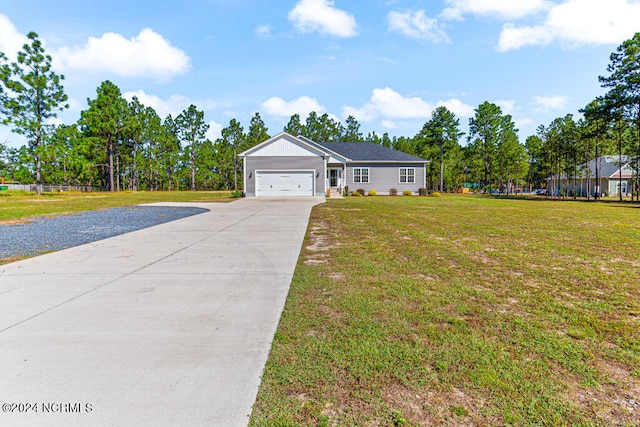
[(360, 176), (406, 175)]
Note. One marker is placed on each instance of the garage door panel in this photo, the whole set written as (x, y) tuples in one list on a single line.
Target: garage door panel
[(284, 184)]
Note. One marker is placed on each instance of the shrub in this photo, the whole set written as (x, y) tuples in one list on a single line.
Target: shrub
[(356, 194), (236, 194), (346, 190), (393, 192), (436, 194), (373, 192), (328, 193), (407, 193), (422, 191), (361, 191)]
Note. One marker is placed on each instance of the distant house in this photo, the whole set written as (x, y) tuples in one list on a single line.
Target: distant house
[(615, 175), (295, 166)]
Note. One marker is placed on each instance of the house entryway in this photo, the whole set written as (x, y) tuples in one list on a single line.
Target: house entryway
[(334, 178)]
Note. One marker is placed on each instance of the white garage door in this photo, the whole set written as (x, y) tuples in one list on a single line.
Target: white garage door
[(284, 184)]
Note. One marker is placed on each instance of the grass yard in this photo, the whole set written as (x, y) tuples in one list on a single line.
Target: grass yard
[(19, 206), (461, 310)]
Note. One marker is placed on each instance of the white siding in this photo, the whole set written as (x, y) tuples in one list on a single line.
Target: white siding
[(283, 147)]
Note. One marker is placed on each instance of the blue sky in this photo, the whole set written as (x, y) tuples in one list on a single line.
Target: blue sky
[(389, 63)]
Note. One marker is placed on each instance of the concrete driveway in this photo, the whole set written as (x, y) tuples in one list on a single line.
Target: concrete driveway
[(170, 325)]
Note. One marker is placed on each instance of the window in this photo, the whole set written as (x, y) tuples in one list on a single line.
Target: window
[(624, 187), (361, 175), (407, 175)]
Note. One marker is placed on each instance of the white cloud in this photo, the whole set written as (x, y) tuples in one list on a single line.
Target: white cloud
[(146, 55), (11, 40), (523, 122), (263, 31), (457, 107), (507, 106), (390, 105), (547, 103), (278, 107), (417, 26), (215, 131), (389, 124), (501, 9), (577, 22), (322, 16), (513, 37), (175, 105)]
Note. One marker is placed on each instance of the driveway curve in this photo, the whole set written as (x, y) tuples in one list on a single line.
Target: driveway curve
[(169, 325)]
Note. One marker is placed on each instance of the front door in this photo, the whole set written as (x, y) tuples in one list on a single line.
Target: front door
[(335, 178)]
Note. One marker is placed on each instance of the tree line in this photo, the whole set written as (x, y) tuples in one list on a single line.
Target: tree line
[(124, 145)]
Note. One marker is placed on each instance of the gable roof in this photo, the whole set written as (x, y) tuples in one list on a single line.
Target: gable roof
[(344, 151), (369, 152), (281, 137), (609, 166)]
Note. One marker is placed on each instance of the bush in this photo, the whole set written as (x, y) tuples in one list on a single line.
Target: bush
[(373, 192), (328, 193), (422, 191), (361, 191), (356, 194), (345, 192), (393, 192), (236, 194), (436, 194), (407, 193)]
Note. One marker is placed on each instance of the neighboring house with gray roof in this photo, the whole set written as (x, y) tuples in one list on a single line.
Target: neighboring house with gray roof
[(290, 166), (614, 175)]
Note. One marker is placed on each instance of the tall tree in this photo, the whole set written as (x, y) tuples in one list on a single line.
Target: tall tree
[(484, 133), (33, 95), (170, 164), (234, 138), (153, 138), (511, 157), (257, 133), (5, 72), (192, 131), (104, 121), (63, 162), (352, 131), (596, 114), (134, 129), (294, 126), (442, 132), (623, 83), (322, 128), (536, 172)]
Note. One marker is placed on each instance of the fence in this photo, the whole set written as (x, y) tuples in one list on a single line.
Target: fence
[(46, 188)]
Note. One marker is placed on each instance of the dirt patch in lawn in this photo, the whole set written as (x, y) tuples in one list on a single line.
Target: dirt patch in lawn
[(437, 408)]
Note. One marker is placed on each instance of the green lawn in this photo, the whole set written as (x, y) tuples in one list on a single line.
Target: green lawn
[(460, 310), (17, 206)]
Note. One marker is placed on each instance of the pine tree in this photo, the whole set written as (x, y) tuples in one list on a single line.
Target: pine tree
[(32, 95)]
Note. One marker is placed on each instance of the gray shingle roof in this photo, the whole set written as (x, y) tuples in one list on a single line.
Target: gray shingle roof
[(608, 164), (368, 151)]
